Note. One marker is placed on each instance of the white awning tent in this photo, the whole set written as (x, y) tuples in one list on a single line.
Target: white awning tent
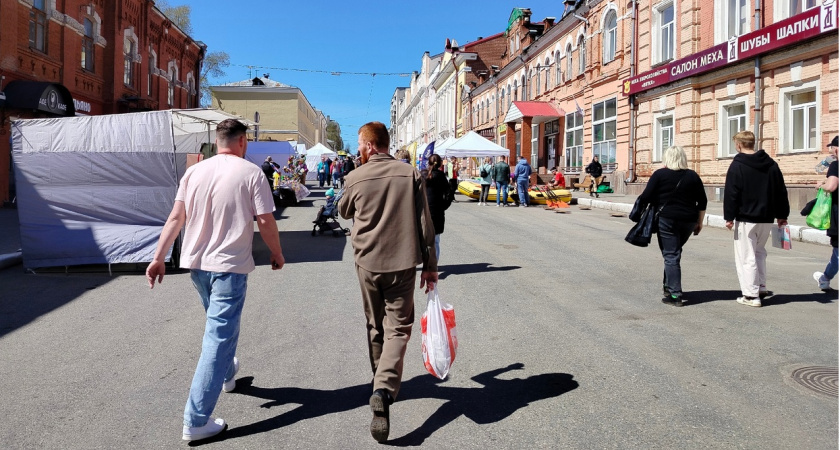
[(313, 157), (440, 149), (98, 189), (473, 144)]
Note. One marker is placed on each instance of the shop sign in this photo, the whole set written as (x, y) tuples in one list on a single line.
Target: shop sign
[(81, 106), (502, 128), (787, 32)]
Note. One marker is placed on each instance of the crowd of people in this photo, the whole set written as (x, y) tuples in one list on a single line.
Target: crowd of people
[(398, 216)]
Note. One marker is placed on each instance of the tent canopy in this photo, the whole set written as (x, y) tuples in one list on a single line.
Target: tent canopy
[(440, 149), (473, 145), (279, 151), (98, 189), (320, 149)]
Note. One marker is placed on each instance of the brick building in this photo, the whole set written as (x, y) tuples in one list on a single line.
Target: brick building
[(772, 70), (90, 57)]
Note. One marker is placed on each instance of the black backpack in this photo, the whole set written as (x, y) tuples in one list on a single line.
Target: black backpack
[(484, 172)]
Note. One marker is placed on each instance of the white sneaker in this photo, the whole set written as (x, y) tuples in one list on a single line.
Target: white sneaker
[(824, 283), (213, 427), (749, 301), (230, 385)]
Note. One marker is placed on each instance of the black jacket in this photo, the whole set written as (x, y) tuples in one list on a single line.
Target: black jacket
[(594, 168), (679, 191), (437, 195), (755, 190)]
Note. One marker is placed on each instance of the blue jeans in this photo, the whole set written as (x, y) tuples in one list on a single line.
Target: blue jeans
[(222, 295), (672, 235), (522, 188), (322, 179), (831, 268), (437, 247), (501, 193)]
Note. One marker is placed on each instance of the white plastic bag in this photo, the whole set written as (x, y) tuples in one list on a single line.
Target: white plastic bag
[(440, 341)]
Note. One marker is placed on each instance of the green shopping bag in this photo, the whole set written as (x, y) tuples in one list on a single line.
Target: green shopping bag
[(820, 216)]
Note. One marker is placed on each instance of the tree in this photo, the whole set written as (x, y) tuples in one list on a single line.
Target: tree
[(334, 135), (214, 62), (213, 66)]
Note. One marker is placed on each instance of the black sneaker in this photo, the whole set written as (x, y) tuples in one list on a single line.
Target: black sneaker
[(673, 300), (380, 424), (764, 294)]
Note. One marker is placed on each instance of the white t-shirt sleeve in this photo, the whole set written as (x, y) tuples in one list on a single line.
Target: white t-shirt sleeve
[(263, 200)]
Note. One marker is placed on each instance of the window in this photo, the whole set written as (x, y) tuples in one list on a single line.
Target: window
[(515, 92), (539, 80), (501, 101), (170, 98), (802, 123), (798, 6), (574, 140), (503, 141), (664, 137), (610, 26), (737, 18), (733, 119), (510, 99), (603, 131), (547, 74), (38, 26), (535, 146), (569, 66), (519, 143), (152, 65), (129, 50), (664, 33), (87, 46), (522, 86), (581, 55)]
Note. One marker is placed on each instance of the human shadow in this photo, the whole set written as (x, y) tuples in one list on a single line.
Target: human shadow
[(461, 269), (302, 247), (816, 297), (496, 400), (698, 297)]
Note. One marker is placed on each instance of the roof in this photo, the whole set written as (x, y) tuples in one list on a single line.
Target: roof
[(251, 83), (539, 111)]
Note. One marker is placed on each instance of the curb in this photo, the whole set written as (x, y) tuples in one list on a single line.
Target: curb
[(797, 232)]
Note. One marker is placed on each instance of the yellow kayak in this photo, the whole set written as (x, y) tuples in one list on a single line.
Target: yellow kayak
[(472, 189)]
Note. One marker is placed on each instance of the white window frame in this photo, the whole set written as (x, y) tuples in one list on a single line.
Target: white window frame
[(581, 54), (656, 33), (658, 148), (558, 69), (782, 9), (726, 147), (609, 37), (604, 121), (785, 116), (535, 144), (570, 67), (574, 152)]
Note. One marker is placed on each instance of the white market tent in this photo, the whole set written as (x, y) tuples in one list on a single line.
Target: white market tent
[(440, 149), (278, 150), (98, 189), (473, 144), (313, 157)]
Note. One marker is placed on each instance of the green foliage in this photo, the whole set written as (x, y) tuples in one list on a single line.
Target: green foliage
[(334, 135), (179, 15)]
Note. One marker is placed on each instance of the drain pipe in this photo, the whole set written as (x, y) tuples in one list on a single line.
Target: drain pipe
[(631, 146), (757, 103)]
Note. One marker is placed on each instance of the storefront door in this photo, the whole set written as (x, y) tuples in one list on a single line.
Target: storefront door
[(551, 151)]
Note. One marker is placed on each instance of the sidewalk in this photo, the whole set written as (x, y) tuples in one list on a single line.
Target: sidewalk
[(714, 215)]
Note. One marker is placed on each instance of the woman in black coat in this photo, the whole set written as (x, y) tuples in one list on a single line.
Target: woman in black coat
[(437, 195), (679, 191)]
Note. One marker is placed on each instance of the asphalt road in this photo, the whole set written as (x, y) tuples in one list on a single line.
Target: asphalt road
[(563, 344)]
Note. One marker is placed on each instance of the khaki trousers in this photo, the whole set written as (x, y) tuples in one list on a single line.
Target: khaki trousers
[(388, 299), (751, 256)]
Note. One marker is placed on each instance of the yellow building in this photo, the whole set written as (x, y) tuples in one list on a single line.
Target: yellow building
[(282, 111)]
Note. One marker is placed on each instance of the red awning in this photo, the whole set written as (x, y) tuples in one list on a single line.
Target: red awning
[(539, 112)]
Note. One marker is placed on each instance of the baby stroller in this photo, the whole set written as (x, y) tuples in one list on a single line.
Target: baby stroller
[(327, 218)]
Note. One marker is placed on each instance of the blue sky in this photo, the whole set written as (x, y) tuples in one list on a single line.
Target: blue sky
[(345, 36)]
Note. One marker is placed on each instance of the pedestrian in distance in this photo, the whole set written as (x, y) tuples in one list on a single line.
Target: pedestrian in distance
[(225, 191), (522, 175), (392, 233), (558, 181), (437, 196), (268, 168), (323, 171), (754, 195), (454, 169), (336, 173), (501, 177), (677, 192), (830, 185), (595, 170), (486, 180)]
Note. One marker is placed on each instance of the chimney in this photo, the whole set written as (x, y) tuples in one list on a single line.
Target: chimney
[(549, 22)]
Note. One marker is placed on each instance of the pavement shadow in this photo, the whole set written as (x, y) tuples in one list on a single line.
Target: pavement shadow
[(302, 247), (698, 297), (496, 400), (461, 269), (816, 297)]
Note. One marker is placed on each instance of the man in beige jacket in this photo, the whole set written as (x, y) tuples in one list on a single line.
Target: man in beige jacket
[(392, 233)]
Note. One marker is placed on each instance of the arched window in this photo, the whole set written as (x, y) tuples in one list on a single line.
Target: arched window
[(522, 86), (172, 77), (191, 92), (129, 50), (510, 99), (582, 55), (558, 71), (547, 74), (515, 91), (87, 46), (539, 80), (570, 72), (610, 25), (501, 101)]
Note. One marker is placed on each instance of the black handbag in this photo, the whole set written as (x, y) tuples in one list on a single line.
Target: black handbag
[(641, 233)]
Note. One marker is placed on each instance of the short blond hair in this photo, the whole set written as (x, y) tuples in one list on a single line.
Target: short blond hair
[(745, 138), (674, 158)]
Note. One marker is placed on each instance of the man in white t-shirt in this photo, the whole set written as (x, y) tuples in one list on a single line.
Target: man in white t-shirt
[(217, 200)]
